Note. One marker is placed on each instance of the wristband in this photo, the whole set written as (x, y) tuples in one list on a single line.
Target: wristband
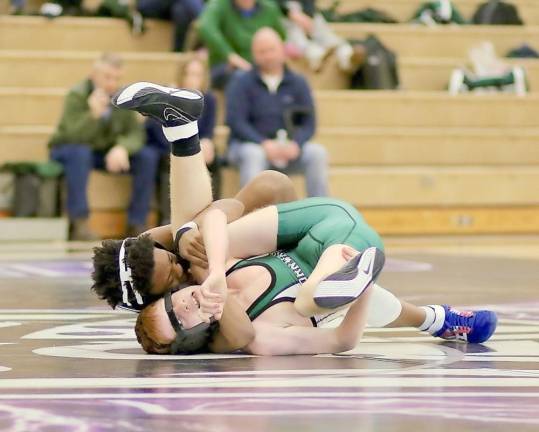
[(181, 231)]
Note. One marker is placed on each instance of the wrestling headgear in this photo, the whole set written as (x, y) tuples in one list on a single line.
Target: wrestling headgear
[(188, 341)]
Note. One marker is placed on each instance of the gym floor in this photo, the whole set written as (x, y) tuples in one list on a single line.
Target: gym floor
[(68, 363)]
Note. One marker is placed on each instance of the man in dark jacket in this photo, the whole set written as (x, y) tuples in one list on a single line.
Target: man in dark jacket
[(93, 134), (272, 120)]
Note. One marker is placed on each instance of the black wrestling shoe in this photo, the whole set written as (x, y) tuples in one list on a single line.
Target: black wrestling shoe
[(170, 106), (347, 284)]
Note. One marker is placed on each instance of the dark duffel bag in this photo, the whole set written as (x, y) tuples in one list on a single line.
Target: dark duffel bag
[(379, 71), (495, 12), (36, 188)]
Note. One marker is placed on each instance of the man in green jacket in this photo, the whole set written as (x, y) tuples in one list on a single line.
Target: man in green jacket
[(93, 134), (227, 28)]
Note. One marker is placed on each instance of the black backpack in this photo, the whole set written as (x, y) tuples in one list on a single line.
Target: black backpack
[(379, 72), (498, 13), (523, 51), (367, 15)]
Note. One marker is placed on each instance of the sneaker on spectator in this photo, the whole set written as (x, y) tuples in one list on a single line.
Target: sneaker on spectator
[(456, 82), (316, 55), (350, 58)]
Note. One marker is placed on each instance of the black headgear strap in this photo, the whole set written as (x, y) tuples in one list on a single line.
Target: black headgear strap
[(181, 231), (188, 341)]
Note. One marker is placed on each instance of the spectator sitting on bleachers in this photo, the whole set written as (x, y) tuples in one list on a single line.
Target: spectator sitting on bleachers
[(193, 75), (309, 34), (227, 28), (271, 116), (181, 12), (93, 134)]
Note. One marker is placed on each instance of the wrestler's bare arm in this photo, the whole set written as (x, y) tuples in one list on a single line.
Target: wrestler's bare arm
[(236, 329), (274, 340), (267, 188), (230, 206)]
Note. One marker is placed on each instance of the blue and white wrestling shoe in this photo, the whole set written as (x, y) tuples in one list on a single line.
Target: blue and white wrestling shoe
[(171, 107), (347, 284), (467, 326)]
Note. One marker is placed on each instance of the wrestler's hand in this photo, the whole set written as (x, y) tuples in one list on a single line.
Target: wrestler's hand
[(211, 304), (213, 294), (191, 248), (216, 283), (348, 253)]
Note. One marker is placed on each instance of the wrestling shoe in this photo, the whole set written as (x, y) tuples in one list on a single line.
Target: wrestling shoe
[(467, 326), (347, 284), (169, 106)]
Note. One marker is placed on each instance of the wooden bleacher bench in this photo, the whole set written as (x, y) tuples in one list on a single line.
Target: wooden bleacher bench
[(63, 69), (432, 74), (410, 40), (83, 34), (335, 108), (356, 146), (403, 10), (431, 163), (95, 34)]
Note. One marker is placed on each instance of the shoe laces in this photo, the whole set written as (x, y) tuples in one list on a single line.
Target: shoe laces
[(461, 321)]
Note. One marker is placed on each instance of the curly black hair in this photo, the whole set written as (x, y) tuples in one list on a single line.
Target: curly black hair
[(106, 275)]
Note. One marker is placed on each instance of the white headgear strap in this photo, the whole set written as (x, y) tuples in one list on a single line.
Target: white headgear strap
[(126, 279)]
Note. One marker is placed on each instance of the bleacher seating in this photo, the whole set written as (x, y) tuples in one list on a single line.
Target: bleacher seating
[(403, 10), (415, 161)]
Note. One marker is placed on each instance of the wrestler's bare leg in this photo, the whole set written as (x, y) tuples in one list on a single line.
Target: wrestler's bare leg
[(178, 111), (190, 188), (267, 188)]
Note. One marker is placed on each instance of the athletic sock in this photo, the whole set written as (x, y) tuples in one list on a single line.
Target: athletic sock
[(184, 139), (434, 319)]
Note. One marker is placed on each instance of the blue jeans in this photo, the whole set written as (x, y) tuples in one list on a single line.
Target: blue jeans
[(222, 74), (78, 160), (181, 12), (251, 159)]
